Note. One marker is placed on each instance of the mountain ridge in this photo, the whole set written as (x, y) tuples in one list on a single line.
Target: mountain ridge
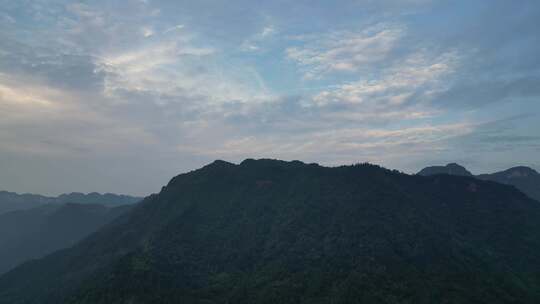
[(267, 231), (524, 178), (12, 201), (34, 233)]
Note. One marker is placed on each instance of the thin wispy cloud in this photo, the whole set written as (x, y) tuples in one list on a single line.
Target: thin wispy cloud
[(344, 51), (173, 28), (414, 76), (253, 43)]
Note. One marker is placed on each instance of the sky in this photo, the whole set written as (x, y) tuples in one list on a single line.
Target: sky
[(120, 96)]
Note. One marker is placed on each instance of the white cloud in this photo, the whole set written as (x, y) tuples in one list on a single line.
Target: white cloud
[(26, 97), (253, 43), (36, 119), (92, 16), (147, 32), (267, 31), (173, 28), (346, 145), (419, 74), (182, 71), (344, 51)]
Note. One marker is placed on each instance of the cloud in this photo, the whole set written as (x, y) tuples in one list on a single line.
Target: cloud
[(267, 31), (345, 51), (253, 43), (147, 32), (402, 92), (477, 93), (26, 97), (54, 122), (83, 95), (5, 18), (173, 28), (341, 146), (150, 67), (501, 134), (97, 91), (71, 71)]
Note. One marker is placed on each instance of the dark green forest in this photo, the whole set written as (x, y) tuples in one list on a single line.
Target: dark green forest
[(268, 231)]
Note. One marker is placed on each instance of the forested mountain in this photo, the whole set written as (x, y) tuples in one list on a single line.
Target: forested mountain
[(268, 231), (11, 201), (525, 179), (36, 232)]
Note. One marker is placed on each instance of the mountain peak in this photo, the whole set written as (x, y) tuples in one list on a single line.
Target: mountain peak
[(450, 169), (219, 163), (521, 172), (269, 162)]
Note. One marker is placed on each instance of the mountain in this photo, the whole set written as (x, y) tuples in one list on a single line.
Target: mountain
[(107, 199), (525, 179), (268, 231), (34, 233), (10, 201), (451, 169)]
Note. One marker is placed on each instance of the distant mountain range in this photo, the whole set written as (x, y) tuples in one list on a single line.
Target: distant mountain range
[(268, 231), (32, 226), (525, 179), (33, 233), (11, 201)]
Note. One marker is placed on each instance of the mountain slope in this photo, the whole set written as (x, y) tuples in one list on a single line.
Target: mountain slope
[(269, 231), (34, 233), (11, 201), (525, 179)]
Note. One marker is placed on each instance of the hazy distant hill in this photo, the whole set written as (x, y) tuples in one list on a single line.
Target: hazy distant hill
[(10, 201), (33, 233), (268, 231), (525, 179), (107, 199)]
